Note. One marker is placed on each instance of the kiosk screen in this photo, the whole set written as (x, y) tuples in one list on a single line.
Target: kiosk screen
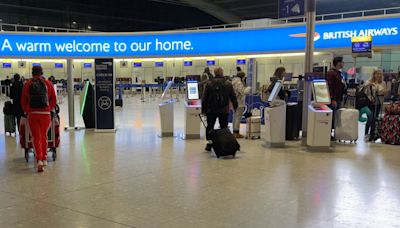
[(275, 91), (192, 90), (321, 92)]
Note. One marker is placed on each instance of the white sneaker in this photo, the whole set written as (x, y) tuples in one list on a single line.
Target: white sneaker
[(40, 167)]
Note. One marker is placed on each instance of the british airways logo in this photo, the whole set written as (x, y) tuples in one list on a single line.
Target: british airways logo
[(347, 34), (365, 32), (317, 36)]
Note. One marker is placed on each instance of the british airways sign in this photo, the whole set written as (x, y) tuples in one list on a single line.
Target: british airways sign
[(385, 32)]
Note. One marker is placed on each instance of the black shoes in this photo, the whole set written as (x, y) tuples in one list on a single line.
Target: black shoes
[(208, 147)]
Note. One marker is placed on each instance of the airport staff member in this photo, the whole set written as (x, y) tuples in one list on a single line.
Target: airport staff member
[(336, 86), (217, 96), (38, 99)]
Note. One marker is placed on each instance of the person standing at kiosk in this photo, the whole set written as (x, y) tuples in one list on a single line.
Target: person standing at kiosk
[(336, 85), (241, 91), (218, 93)]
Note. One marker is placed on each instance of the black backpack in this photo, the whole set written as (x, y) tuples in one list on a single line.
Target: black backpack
[(362, 99), (8, 108), (38, 94), (219, 96)]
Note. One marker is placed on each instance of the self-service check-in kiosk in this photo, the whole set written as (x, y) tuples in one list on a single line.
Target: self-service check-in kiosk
[(275, 119), (319, 118), (192, 111), (166, 109)]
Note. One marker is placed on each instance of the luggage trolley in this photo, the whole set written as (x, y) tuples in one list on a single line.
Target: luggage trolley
[(53, 136)]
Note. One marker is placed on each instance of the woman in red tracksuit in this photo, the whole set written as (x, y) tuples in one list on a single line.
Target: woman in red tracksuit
[(39, 118)]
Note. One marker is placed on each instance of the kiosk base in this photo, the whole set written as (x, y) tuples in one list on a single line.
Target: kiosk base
[(192, 120), (274, 145), (105, 130), (166, 134), (166, 111), (319, 149)]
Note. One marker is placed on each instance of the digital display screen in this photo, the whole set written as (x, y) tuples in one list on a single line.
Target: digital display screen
[(87, 65), (275, 91), (321, 92), (241, 62), (210, 62), (193, 90), (159, 64), (188, 63), (288, 77), (36, 64), (137, 64), (362, 47), (6, 65), (58, 65)]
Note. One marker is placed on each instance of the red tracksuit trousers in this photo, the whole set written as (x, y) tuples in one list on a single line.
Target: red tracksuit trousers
[(39, 125)]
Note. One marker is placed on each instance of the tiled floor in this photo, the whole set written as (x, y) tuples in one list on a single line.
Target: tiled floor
[(135, 179)]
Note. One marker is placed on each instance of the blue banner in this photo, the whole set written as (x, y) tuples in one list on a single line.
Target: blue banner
[(385, 31), (104, 73), (291, 8)]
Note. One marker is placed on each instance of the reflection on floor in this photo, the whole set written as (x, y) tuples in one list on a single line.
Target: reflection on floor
[(135, 179)]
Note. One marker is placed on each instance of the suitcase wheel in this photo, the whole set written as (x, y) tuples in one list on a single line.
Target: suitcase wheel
[(27, 155)]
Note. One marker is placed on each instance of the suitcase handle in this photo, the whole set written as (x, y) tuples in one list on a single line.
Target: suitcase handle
[(202, 120)]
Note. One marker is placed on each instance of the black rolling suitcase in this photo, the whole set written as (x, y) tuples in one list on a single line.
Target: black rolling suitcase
[(224, 142), (9, 119), (119, 103), (292, 117)]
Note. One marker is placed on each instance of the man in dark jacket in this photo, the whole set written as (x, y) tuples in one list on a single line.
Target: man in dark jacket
[(218, 94), (15, 95), (336, 85)]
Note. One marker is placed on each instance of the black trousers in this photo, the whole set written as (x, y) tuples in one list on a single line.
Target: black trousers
[(212, 118), (376, 110)]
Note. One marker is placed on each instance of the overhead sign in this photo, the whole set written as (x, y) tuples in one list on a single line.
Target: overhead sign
[(104, 73), (291, 8), (188, 63), (385, 31), (137, 64), (241, 62), (361, 44), (6, 65)]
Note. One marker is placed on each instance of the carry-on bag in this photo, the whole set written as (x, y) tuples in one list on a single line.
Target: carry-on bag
[(292, 116), (119, 103), (8, 108), (253, 127), (9, 124), (347, 125), (224, 142)]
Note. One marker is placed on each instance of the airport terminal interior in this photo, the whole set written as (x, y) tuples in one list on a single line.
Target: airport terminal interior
[(127, 141)]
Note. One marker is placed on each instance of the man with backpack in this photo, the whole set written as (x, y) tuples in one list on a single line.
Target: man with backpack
[(38, 99), (217, 97)]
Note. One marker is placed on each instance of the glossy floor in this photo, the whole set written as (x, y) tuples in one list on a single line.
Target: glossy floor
[(133, 178)]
